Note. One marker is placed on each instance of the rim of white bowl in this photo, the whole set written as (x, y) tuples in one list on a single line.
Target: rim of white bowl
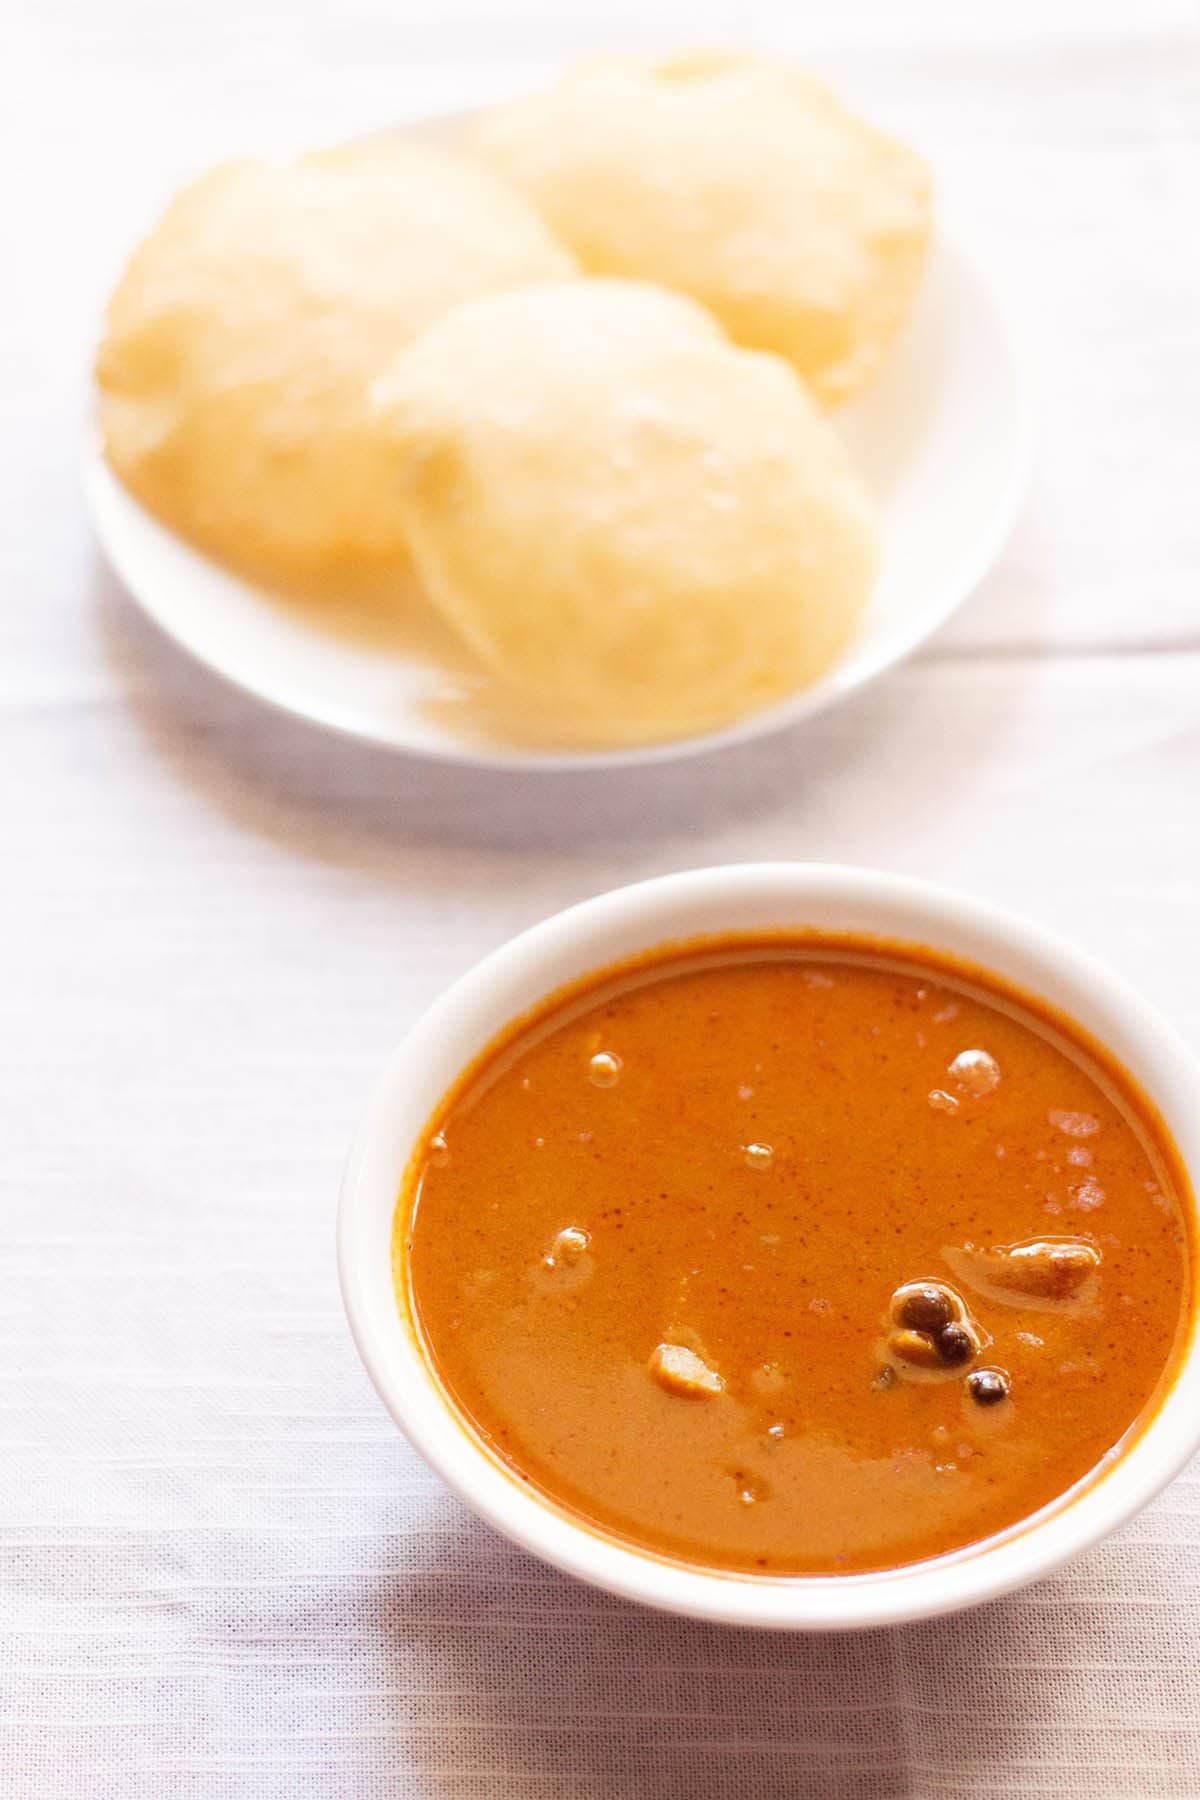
[(748, 897)]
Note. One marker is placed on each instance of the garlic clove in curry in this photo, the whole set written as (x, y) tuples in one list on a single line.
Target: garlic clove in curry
[(1044, 1273), (680, 1371), (916, 1348)]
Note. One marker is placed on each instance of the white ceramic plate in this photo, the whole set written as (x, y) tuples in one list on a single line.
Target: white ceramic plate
[(943, 440)]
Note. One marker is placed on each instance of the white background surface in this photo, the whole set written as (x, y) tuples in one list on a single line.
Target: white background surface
[(223, 1573)]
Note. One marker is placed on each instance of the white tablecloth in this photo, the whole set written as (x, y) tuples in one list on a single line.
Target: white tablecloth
[(223, 1572)]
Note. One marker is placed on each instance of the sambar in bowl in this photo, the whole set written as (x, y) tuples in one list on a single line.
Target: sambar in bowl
[(782, 1250)]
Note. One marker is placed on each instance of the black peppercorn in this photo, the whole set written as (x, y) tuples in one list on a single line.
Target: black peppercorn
[(925, 1308), (954, 1345), (987, 1386)]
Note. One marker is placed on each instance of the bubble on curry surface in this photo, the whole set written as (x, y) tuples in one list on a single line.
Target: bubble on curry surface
[(743, 183), (604, 1069), (758, 1156), (246, 330), (569, 1248), (639, 529), (1074, 1124), (976, 1072)]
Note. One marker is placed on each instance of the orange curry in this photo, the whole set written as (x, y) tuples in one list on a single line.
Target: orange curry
[(798, 1255)]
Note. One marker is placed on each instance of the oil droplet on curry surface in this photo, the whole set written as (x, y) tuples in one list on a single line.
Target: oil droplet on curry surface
[(758, 1156), (568, 1247), (975, 1072), (604, 1069), (1074, 1124)]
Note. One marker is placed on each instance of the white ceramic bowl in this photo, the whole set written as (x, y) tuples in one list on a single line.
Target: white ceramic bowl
[(747, 898)]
